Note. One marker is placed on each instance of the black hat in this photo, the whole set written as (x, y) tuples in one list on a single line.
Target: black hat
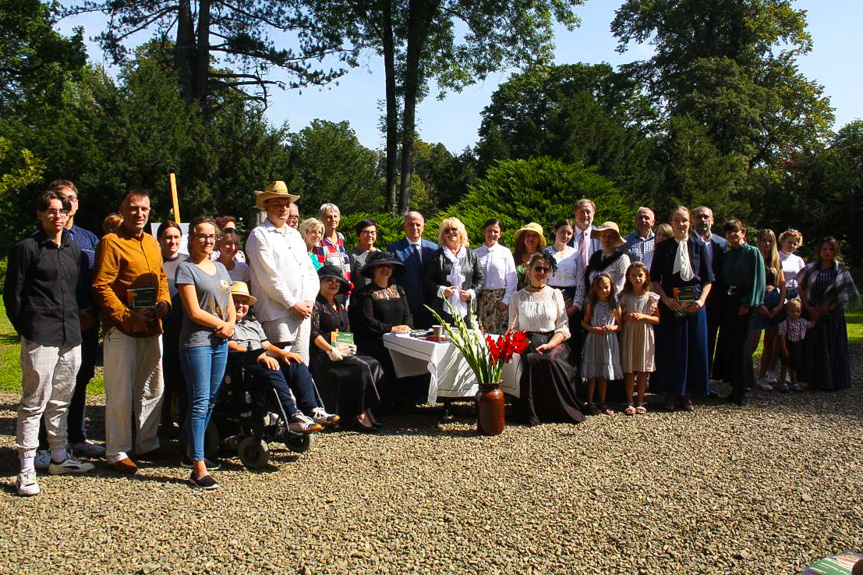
[(381, 258), (331, 271)]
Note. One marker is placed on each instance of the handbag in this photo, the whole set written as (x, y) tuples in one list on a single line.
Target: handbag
[(538, 338)]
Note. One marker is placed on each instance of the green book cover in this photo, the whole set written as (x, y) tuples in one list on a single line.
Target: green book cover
[(141, 298), (344, 337)]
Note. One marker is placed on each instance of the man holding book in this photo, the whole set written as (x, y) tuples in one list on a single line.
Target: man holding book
[(131, 288)]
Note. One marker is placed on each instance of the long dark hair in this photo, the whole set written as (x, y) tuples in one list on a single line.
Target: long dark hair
[(628, 286), (593, 296)]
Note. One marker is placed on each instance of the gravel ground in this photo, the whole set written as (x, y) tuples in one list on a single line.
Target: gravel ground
[(763, 489)]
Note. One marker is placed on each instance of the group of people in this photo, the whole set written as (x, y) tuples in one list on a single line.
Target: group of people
[(670, 307)]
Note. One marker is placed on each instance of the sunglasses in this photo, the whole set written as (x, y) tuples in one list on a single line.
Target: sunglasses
[(542, 270)]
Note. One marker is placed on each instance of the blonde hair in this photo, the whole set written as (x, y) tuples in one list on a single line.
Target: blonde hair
[(774, 265), (308, 223), (664, 229), (453, 223), (111, 223), (793, 234)]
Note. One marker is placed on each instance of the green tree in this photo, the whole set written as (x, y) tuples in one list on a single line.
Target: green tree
[(331, 165), (445, 177)]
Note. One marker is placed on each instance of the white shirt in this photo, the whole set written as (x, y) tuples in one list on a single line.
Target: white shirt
[(539, 311), (791, 266), (282, 273), (570, 267), (498, 268), (579, 236)]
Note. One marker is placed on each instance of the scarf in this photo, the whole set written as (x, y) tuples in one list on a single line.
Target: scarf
[(456, 278), (681, 261)]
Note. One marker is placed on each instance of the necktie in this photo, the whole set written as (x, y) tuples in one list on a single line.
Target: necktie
[(583, 247), (416, 252)]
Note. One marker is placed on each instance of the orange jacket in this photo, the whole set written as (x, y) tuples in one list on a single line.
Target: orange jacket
[(123, 262)]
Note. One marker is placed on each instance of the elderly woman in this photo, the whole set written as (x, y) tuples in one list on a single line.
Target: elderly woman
[(170, 236), (367, 235), (680, 273), (825, 287), (611, 259), (742, 292), (312, 230), (547, 390), (453, 274), (331, 248), (529, 240), (501, 280), (377, 309), (347, 380), (792, 264)]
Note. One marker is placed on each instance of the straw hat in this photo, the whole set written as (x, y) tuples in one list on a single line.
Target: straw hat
[(618, 240), (276, 189), (381, 258), (535, 228), (240, 288), (331, 271)]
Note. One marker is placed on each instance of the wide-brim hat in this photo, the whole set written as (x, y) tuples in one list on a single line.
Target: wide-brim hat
[(381, 258), (535, 228), (276, 189), (609, 226), (331, 271), (240, 288)]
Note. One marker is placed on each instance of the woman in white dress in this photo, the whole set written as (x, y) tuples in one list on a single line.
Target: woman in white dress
[(792, 264), (547, 384)]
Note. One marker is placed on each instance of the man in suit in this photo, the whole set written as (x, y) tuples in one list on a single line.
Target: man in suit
[(716, 245), (585, 210), (414, 252)]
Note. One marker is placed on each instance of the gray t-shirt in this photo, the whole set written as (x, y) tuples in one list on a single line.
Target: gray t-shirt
[(249, 334), (214, 297)]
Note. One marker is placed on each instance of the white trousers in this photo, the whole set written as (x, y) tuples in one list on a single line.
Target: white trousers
[(133, 382), (47, 382), (285, 329)]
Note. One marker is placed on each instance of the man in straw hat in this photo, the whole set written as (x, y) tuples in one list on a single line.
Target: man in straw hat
[(283, 278)]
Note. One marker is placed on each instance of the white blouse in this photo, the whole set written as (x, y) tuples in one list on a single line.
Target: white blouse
[(543, 310), (570, 267), (498, 268), (791, 265)]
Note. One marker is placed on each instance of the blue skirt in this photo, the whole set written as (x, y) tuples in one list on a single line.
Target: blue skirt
[(682, 366)]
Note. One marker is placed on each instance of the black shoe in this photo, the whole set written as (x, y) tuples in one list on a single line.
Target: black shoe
[(212, 464), (205, 482)]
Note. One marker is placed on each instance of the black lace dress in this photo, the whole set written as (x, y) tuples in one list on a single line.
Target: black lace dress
[(350, 386)]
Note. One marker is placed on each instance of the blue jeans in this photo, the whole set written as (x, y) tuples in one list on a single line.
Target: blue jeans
[(203, 368)]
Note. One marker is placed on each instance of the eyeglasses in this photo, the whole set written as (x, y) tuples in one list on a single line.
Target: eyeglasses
[(206, 237), (542, 270), (57, 213), (369, 232), (451, 231), (297, 218)]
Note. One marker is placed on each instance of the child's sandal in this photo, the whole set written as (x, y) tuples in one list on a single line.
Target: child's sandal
[(606, 410), (592, 409), (641, 409), (630, 410)]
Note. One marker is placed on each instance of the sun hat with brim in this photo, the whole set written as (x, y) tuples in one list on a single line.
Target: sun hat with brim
[(331, 271), (276, 189), (381, 258), (609, 226), (535, 228), (240, 288)]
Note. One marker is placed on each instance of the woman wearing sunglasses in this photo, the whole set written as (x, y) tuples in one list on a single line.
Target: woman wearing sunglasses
[(454, 273), (547, 385)]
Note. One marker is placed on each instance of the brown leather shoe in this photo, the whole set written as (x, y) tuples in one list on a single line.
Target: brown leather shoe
[(125, 466)]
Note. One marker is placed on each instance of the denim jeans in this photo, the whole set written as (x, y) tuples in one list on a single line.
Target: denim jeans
[(204, 368)]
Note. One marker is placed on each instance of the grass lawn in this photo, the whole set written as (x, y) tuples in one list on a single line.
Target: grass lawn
[(10, 363)]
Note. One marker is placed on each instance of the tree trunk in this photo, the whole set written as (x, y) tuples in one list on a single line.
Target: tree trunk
[(184, 50), (201, 69), (392, 110)]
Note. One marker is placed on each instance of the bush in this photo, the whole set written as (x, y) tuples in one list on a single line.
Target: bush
[(541, 190), (389, 228)]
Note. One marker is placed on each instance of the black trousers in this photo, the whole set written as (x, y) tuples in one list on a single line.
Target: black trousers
[(734, 352)]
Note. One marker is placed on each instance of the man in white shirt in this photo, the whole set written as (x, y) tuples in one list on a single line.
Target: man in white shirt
[(284, 280), (585, 210), (414, 252)]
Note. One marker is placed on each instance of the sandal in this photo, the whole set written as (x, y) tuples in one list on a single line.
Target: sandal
[(641, 409), (606, 410), (630, 410), (592, 409)]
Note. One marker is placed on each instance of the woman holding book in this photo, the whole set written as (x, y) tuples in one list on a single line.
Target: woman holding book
[(680, 273), (348, 381)]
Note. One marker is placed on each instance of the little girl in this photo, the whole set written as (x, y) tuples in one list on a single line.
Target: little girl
[(601, 360), (640, 310)]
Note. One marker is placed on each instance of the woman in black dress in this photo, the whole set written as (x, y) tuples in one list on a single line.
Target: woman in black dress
[(346, 380), (377, 309)]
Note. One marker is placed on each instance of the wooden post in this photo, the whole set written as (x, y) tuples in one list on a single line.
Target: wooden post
[(173, 180)]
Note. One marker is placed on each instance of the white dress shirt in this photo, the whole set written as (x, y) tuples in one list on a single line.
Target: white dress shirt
[(570, 268), (498, 267), (282, 272)]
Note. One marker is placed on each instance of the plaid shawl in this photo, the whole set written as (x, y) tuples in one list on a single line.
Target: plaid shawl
[(843, 288)]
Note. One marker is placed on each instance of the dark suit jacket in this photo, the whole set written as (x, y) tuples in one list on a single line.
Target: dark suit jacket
[(411, 278), (715, 249)]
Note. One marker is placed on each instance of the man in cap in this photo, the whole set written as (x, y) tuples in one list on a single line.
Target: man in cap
[(284, 280)]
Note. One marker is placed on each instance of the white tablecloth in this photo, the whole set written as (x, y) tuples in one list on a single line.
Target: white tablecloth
[(450, 374)]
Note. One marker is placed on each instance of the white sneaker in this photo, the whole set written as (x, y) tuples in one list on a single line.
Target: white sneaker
[(301, 423), (27, 484), (323, 418), (763, 384), (43, 459), (771, 377), (69, 465), (88, 449)]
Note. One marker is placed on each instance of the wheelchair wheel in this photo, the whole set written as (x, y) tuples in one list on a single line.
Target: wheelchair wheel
[(254, 452), (300, 444)]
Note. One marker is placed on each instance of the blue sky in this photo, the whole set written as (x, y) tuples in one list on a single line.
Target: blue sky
[(834, 25)]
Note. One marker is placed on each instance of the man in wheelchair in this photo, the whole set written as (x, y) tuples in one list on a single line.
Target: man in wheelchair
[(283, 370)]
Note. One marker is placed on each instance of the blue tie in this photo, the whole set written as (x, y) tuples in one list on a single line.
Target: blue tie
[(416, 252)]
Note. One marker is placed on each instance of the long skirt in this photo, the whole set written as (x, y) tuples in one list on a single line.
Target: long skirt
[(492, 319), (348, 387), (734, 354), (547, 388), (826, 363), (681, 354)]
